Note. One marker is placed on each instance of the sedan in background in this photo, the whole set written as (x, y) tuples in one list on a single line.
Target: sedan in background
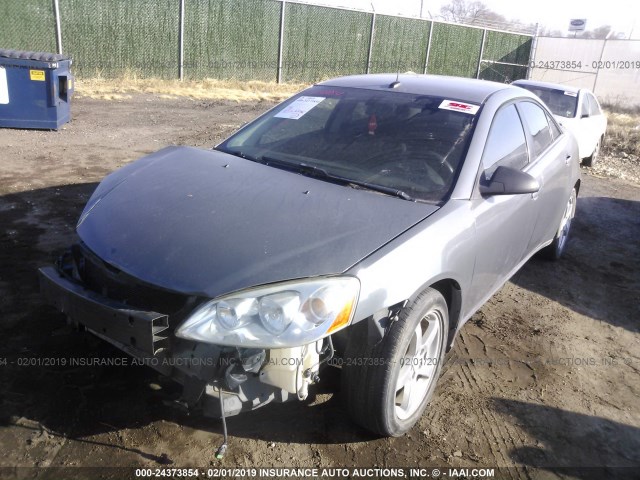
[(358, 224), (576, 109)]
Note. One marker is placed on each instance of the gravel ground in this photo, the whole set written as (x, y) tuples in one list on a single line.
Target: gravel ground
[(623, 166)]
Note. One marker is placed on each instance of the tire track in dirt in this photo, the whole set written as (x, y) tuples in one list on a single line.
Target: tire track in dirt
[(497, 438)]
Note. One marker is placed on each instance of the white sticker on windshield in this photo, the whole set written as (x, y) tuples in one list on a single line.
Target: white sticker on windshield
[(571, 94), (4, 88), (459, 107), (299, 107)]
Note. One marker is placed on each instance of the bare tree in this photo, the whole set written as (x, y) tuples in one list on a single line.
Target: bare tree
[(602, 32), (598, 33), (477, 13), (471, 13), (547, 32)]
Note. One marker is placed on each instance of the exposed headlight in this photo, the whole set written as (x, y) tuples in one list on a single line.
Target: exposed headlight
[(284, 315)]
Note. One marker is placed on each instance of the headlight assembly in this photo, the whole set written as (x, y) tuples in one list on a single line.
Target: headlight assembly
[(288, 314)]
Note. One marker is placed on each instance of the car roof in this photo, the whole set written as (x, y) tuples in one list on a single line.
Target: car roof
[(455, 88), (557, 86)]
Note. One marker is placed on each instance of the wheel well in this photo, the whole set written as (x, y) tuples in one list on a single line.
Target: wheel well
[(377, 323), (450, 290)]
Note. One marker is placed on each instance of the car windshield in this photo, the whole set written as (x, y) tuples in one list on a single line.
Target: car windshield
[(401, 144), (560, 102)]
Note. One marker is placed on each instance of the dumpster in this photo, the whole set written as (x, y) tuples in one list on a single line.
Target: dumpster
[(35, 89)]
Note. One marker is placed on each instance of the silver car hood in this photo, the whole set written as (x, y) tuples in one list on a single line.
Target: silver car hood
[(208, 223)]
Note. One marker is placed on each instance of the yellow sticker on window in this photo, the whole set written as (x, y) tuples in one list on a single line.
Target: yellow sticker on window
[(37, 75)]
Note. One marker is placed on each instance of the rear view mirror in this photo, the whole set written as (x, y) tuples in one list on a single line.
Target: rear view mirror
[(509, 181)]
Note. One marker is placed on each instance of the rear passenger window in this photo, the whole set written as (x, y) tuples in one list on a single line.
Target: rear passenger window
[(555, 130), (584, 106), (538, 127), (506, 145), (594, 109)]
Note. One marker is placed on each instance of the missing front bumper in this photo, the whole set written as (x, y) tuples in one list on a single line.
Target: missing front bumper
[(142, 330), (146, 335)]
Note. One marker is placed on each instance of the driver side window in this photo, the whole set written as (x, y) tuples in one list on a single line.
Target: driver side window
[(506, 145)]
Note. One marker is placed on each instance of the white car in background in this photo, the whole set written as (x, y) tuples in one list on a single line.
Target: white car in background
[(576, 109)]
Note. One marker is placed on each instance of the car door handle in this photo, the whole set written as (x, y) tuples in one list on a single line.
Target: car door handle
[(567, 159)]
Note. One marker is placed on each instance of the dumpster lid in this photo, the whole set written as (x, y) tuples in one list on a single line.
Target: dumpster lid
[(41, 56)]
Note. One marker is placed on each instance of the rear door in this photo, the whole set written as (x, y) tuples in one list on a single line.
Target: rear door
[(597, 117), (588, 131), (550, 163)]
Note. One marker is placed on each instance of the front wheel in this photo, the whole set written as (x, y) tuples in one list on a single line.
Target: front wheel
[(557, 247), (387, 386)]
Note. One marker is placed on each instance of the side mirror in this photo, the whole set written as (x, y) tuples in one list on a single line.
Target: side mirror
[(509, 181)]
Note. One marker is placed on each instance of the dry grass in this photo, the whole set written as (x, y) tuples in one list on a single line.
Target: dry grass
[(207, 89), (623, 133), (621, 150)]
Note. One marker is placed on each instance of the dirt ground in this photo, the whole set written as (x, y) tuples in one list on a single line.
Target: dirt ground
[(545, 376)]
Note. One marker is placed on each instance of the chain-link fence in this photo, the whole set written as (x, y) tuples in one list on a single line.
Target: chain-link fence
[(399, 44), (106, 37), (611, 68), (27, 25), (255, 39), (231, 39), (505, 56)]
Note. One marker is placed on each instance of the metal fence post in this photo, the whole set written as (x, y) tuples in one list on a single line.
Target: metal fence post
[(595, 80), (426, 57), (281, 41), (373, 28), (532, 50), (181, 42), (56, 15), (484, 38)]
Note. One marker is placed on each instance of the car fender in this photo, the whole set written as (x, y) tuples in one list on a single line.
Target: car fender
[(440, 247)]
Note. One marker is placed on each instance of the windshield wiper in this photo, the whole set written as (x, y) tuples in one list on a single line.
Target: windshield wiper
[(239, 153), (312, 170), (382, 189)]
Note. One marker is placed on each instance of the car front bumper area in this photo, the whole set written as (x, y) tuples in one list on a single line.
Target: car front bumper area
[(136, 329), (202, 369)]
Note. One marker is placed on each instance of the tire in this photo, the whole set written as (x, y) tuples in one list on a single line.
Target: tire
[(557, 247), (387, 386), (591, 161)]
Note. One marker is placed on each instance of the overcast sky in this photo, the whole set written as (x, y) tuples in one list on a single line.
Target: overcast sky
[(622, 15)]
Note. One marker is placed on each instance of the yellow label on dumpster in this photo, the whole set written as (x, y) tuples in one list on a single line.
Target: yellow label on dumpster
[(37, 75)]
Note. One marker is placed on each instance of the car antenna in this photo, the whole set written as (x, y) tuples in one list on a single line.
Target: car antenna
[(395, 84)]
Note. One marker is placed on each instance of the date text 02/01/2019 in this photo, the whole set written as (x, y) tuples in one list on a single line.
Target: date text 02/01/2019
[(579, 65)]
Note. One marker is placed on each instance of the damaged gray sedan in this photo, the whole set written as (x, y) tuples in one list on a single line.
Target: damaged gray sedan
[(360, 224)]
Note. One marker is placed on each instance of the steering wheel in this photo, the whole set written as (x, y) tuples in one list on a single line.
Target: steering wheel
[(427, 164)]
